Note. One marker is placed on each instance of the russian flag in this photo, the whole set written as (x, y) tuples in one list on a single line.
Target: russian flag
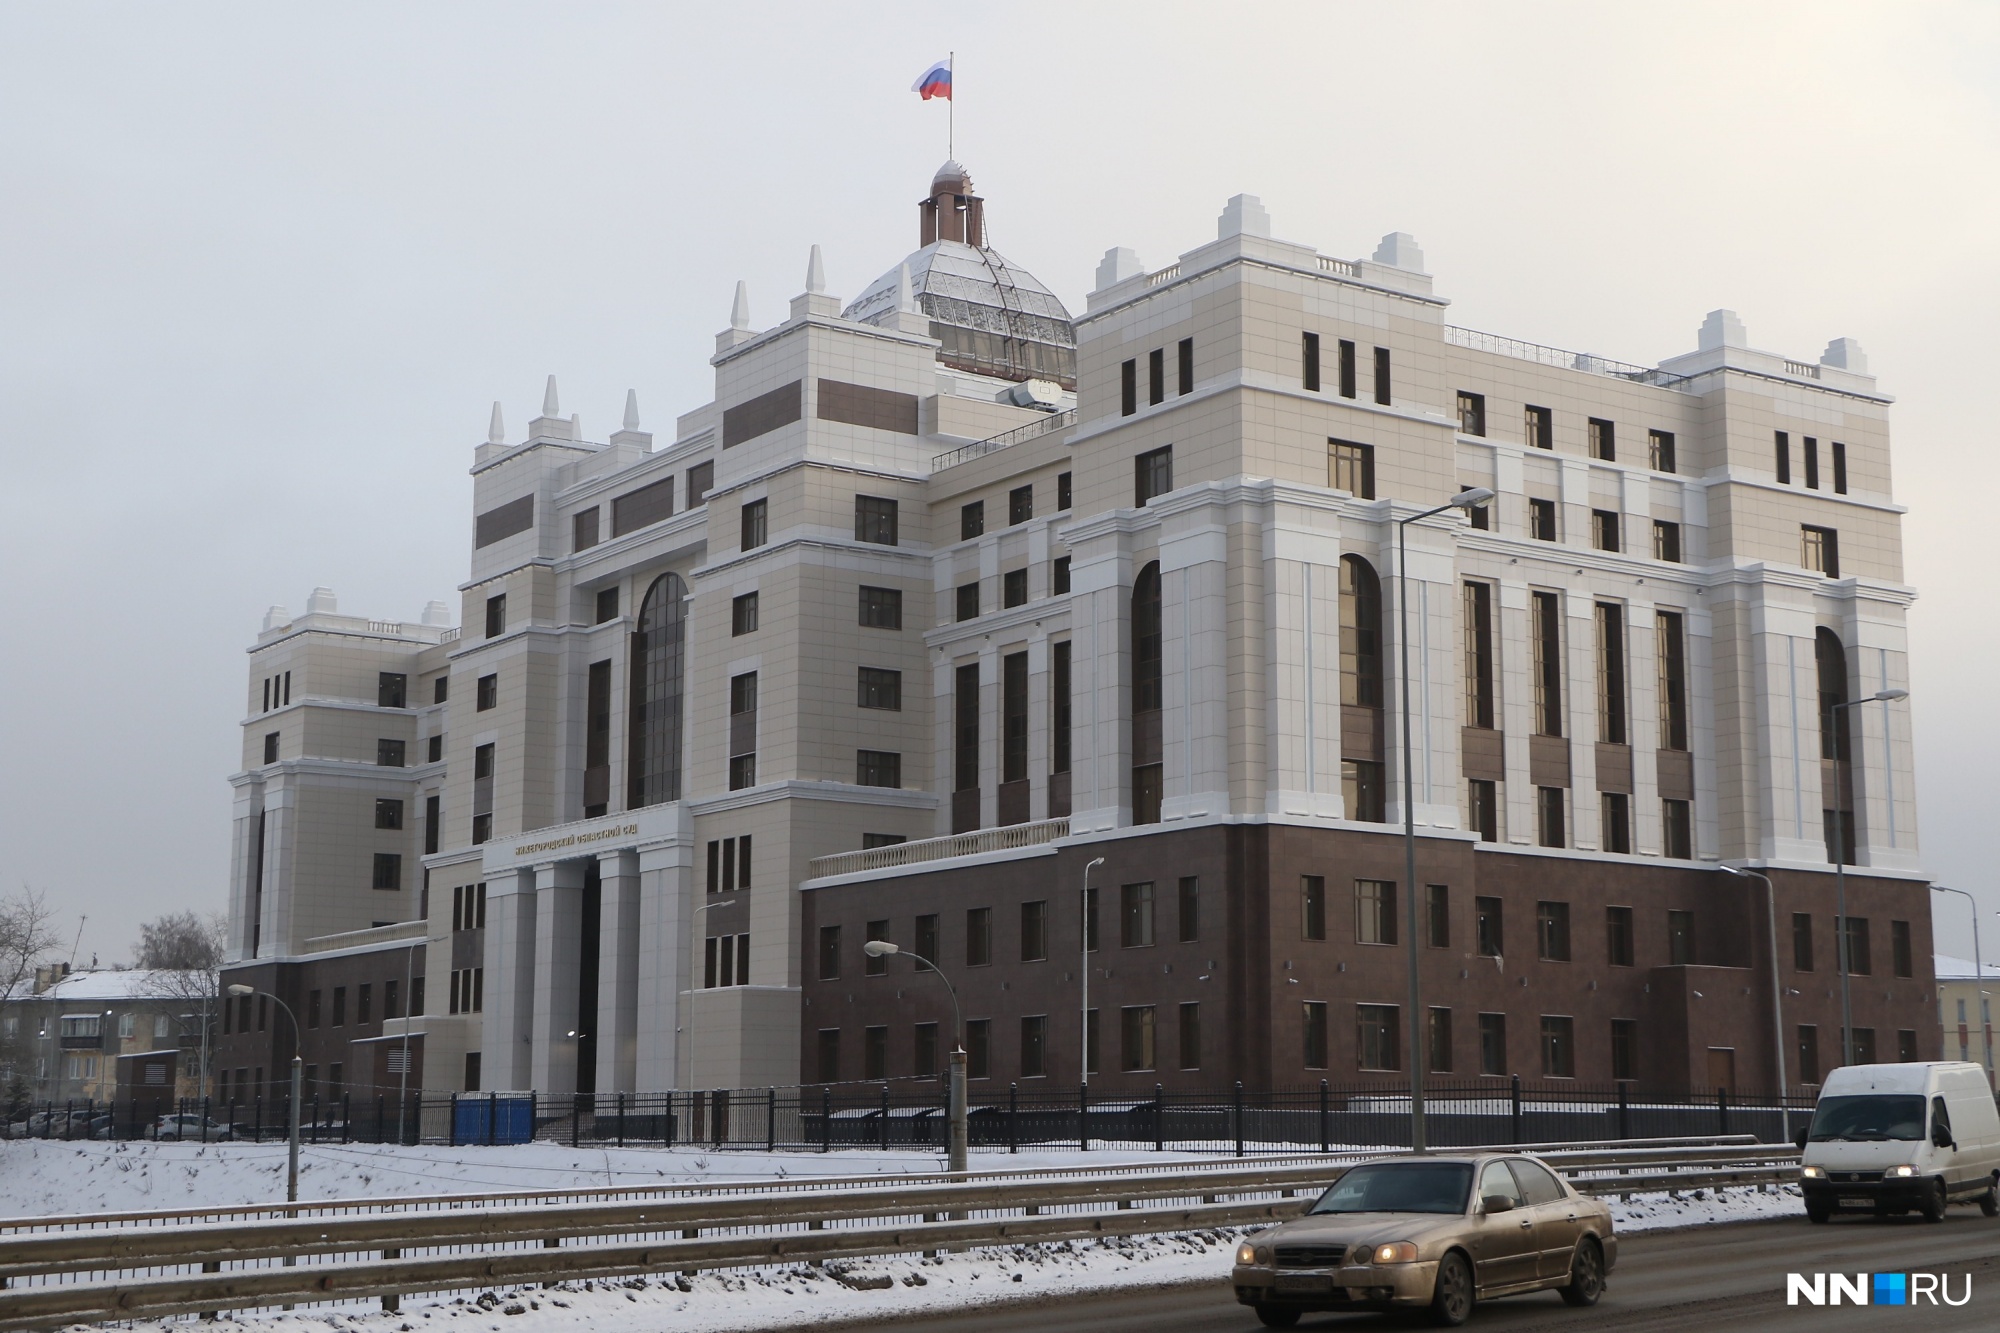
[(936, 82)]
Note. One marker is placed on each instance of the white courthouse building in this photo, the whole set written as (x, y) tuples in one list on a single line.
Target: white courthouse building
[(950, 590)]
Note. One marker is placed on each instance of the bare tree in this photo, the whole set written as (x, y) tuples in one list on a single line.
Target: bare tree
[(181, 942), (184, 952), (27, 934)]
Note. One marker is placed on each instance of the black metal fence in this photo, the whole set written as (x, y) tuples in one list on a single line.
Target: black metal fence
[(913, 1116)]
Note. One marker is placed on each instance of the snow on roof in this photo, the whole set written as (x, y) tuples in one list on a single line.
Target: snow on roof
[(1960, 969), (132, 983)]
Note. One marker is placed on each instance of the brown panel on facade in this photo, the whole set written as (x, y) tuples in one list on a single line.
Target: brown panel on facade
[(1676, 775), (1360, 732), (762, 414), (1146, 737), (648, 504), (1014, 802), (965, 810), (1058, 795), (1483, 753), (1836, 783), (860, 405), (1548, 761), (499, 524), (1614, 768)]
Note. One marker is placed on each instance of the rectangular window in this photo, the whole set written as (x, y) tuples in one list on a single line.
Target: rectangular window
[(1542, 520), (743, 614), (870, 841), (1624, 1049), (496, 616), (701, 480), (968, 601), (1034, 931), (1189, 922), (1312, 907), (878, 768), (1186, 369), (1610, 673), (1538, 427), (1059, 576), (1156, 376), (340, 1006), (1808, 1053), (1802, 942), (1135, 916), (1666, 541), (1558, 1047), (388, 753), (874, 1052), (432, 820), (1363, 790), (978, 936), (1783, 458), (1480, 517), (1090, 920), (881, 608), (1858, 961), (1839, 452), (743, 731), (1190, 1036), (1437, 916), (1660, 450), (1615, 810), (971, 520), (754, 525), (1484, 800), (1063, 492), (1352, 468), (924, 1045), (1864, 1046), (1014, 588), (1680, 938), (829, 1055), (1678, 833), (391, 689), (1128, 388), (1374, 911), (1020, 504), (1438, 1040), (1493, 1043), (927, 935), (1375, 1037), (1059, 707), (1346, 369), (1135, 1046), (388, 813), (1819, 550), (1471, 413), (1153, 474), (1618, 936), (1552, 931), (1547, 629), (1382, 376), (440, 689), (1478, 654), (1603, 440), (1604, 530), (1014, 719), (871, 966), (434, 753), (1489, 927), (829, 953), (607, 605), (486, 694), (965, 740), (1309, 358), (1810, 451), (879, 687), (1549, 820), (1034, 1046), (1314, 1032)]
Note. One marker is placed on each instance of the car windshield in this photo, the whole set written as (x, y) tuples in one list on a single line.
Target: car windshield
[(1399, 1187), (1873, 1117)]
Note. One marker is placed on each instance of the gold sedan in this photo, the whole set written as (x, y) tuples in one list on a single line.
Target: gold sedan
[(1436, 1233)]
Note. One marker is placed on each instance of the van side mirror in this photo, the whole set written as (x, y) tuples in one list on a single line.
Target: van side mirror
[(1941, 1136), (1800, 1138), (1497, 1203)]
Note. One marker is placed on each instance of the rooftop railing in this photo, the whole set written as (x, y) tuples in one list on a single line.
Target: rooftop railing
[(1020, 434), (1561, 359), (937, 849)]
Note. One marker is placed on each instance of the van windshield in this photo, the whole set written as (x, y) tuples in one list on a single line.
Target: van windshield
[(1875, 1117)]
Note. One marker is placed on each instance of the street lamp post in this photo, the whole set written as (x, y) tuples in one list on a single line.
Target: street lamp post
[(1777, 990), (1841, 823), (1978, 971), (1470, 499), (957, 1131), (298, 1074), (1083, 970), (694, 991)]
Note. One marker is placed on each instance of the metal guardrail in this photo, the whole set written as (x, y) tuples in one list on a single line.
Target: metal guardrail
[(478, 1247), (1019, 434)]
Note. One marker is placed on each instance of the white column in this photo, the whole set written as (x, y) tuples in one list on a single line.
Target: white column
[(1884, 783), (1302, 671), (1194, 594), (1785, 730), (510, 980), (666, 881), (558, 949), (618, 972), (1100, 665)]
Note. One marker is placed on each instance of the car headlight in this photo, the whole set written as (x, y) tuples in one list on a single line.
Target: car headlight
[(1246, 1253), (1903, 1172), (1396, 1252), (1813, 1172)]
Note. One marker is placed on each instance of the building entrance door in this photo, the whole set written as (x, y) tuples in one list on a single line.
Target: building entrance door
[(1722, 1067)]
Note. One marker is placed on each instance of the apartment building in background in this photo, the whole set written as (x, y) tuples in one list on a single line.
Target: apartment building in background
[(950, 593)]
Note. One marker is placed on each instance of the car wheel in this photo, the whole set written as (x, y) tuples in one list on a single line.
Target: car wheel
[(1586, 1275), (1989, 1202), (1451, 1300), (1277, 1316), (1818, 1212), (1934, 1202)]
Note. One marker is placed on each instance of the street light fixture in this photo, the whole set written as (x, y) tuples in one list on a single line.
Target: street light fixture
[(1777, 989), (1083, 970), (1473, 498), (1841, 823), (298, 1075), (957, 1114), (1978, 973), (694, 992)]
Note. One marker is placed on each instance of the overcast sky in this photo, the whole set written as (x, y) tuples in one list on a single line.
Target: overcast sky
[(264, 268)]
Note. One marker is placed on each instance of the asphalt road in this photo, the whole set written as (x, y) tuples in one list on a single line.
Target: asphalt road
[(1710, 1278)]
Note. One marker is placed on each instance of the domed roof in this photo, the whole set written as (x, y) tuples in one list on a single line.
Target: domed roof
[(953, 177)]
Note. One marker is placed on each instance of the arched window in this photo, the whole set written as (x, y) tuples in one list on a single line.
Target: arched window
[(1147, 777), (658, 661), (1360, 634), (1832, 660)]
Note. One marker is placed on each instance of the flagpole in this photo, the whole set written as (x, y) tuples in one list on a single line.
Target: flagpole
[(951, 116)]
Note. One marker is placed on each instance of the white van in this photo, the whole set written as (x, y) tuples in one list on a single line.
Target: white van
[(1890, 1139)]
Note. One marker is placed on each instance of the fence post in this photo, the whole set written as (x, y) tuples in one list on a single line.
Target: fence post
[(826, 1119), (205, 1109), (1514, 1088), (1239, 1117), (1722, 1109), (257, 1114), (1159, 1118), (1083, 1117), (1325, 1139), (770, 1120), (1013, 1117), (493, 1116), (347, 1117), (1624, 1111), (575, 1118)]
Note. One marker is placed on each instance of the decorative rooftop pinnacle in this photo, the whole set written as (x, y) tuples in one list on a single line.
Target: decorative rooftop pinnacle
[(631, 409), (815, 273), (549, 405), (496, 431), (739, 312)]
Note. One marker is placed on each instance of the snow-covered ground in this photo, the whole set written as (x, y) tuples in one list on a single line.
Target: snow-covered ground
[(44, 1178)]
